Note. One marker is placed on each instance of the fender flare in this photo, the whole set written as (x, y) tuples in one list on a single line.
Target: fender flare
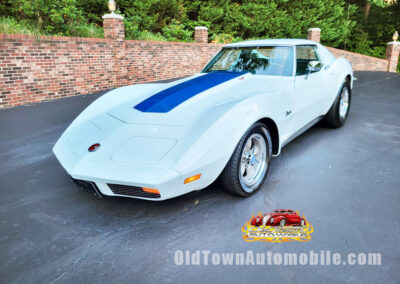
[(341, 84)]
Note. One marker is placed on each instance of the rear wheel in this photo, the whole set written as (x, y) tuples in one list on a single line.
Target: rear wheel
[(249, 164), (339, 111)]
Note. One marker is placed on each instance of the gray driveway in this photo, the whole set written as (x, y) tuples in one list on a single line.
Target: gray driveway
[(346, 181)]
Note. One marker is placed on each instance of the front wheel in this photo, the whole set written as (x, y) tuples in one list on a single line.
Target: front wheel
[(339, 111), (249, 164)]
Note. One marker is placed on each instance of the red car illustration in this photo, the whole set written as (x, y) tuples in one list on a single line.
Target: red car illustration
[(280, 217)]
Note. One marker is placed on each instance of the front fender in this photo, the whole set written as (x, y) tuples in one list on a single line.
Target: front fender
[(212, 138), (338, 71)]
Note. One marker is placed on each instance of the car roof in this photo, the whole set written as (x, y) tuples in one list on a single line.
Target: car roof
[(269, 42)]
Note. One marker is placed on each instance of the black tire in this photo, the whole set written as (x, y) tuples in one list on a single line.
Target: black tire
[(333, 119), (282, 222), (230, 176)]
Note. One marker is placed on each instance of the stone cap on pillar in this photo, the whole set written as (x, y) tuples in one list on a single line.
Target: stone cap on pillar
[(113, 16)]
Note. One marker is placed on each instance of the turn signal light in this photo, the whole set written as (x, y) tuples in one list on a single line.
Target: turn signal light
[(150, 190), (192, 178)]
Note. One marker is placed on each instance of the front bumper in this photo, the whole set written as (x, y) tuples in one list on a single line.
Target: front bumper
[(130, 178), (117, 189)]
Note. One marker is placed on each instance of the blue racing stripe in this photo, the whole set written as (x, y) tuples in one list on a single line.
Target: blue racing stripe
[(170, 98)]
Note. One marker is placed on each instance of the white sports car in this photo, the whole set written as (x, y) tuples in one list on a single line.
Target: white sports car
[(161, 140)]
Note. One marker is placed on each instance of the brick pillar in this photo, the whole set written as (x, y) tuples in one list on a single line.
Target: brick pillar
[(314, 34), (392, 55), (201, 34), (114, 29)]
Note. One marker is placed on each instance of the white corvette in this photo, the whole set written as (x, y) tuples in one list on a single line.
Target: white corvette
[(161, 140)]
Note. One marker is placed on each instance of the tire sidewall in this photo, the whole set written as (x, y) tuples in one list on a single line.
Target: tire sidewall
[(263, 131), (341, 120)]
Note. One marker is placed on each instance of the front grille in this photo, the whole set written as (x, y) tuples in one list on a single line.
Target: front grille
[(131, 191)]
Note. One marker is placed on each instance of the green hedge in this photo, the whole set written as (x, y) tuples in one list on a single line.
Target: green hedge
[(342, 22)]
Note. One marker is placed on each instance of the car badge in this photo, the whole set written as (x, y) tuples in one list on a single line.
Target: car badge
[(94, 147)]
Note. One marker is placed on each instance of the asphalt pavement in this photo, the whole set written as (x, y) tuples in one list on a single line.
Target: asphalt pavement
[(346, 181)]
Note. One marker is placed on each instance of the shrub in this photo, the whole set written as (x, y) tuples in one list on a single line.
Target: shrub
[(176, 31), (146, 35), (131, 29), (86, 30), (222, 38)]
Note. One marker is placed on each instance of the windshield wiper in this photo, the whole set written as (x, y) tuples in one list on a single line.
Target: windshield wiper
[(226, 71), (221, 70)]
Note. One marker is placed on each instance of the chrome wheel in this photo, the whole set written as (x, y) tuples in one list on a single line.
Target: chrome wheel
[(253, 164), (282, 222), (344, 103)]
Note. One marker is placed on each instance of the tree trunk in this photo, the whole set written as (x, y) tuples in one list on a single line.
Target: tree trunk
[(367, 8)]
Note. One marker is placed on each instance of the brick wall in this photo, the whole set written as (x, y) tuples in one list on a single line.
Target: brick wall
[(150, 61), (360, 61), (34, 69)]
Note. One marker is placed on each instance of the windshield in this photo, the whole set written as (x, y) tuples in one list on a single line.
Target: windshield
[(264, 60)]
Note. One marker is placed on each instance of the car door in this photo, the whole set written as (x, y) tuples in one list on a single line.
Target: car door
[(292, 217), (307, 89)]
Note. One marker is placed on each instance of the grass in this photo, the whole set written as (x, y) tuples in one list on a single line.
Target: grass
[(10, 26)]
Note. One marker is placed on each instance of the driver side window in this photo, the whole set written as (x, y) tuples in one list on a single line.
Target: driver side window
[(304, 54)]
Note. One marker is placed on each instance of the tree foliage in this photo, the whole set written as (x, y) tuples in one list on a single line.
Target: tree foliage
[(343, 22), (371, 34)]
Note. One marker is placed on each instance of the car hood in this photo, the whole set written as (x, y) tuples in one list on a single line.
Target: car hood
[(179, 102)]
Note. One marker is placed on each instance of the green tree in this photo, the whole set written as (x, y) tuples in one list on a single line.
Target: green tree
[(274, 19), (370, 37), (151, 15), (368, 3), (343, 22)]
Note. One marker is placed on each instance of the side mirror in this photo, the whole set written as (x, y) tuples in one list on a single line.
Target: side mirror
[(313, 66)]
